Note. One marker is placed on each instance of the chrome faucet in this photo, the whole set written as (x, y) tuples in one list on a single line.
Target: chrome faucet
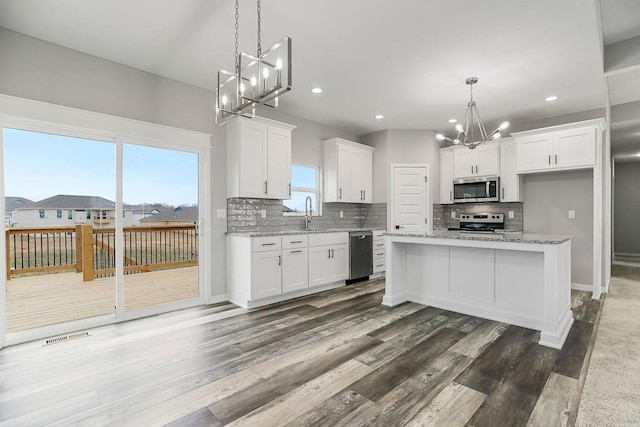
[(308, 210)]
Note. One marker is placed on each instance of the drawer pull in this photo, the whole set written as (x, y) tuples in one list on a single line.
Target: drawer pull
[(380, 244), (379, 265), (296, 252), (380, 254), (296, 241), (268, 244)]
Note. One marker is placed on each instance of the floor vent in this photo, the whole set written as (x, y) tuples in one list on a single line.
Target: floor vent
[(63, 338)]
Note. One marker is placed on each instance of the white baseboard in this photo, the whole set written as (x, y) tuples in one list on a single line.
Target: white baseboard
[(218, 298), (581, 287)]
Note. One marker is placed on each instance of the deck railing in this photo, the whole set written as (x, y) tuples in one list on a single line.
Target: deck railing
[(91, 251)]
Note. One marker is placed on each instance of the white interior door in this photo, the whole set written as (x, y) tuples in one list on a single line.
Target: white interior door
[(409, 204)]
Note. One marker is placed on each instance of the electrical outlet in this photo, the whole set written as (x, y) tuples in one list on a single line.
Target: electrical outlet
[(510, 214), (221, 213), (341, 214), (572, 214), (453, 214), (263, 214)]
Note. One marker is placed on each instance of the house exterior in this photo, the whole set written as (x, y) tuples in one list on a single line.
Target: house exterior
[(11, 203), (178, 217), (141, 211), (68, 210)]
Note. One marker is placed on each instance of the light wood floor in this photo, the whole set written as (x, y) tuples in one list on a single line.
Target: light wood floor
[(53, 298), (338, 358)]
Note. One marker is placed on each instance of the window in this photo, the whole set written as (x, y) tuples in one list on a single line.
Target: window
[(41, 213), (305, 181), (59, 213), (69, 214), (88, 214)]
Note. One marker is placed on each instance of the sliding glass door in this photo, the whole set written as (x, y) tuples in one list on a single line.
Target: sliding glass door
[(160, 230)]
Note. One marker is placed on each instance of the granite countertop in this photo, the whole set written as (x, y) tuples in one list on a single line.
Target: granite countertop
[(293, 232), (506, 236)]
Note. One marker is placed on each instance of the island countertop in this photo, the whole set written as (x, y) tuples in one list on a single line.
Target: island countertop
[(507, 236)]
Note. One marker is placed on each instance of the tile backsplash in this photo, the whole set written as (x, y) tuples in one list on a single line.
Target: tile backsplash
[(245, 215), (442, 213)]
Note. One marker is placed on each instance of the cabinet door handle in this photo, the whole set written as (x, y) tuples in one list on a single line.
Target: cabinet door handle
[(556, 159), (279, 259), (328, 253), (549, 158), (471, 169), (266, 188), (289, 188), (476, 168), (340, 195), (451, 196), (364, 194), (331, 253), (503, 192)]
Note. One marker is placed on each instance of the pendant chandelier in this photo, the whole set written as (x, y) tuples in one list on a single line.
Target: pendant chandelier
[(466, 135), (258, 79)]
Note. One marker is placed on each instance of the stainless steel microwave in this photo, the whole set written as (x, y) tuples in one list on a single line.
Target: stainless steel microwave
[(484, 189)]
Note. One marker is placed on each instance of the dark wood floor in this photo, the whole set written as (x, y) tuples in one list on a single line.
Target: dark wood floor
[(338, 358)]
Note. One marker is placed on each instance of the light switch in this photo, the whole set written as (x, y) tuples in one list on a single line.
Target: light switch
[(572, 214), (453, 214), (511, 214), (341, 214), (221, 213), (263, 213)]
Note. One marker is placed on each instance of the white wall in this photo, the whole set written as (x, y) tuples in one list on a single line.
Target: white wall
[(627, 208), (548, 197)]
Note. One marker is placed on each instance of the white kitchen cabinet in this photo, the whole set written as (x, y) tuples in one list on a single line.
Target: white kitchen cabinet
[(379, 252), (259, 158), (266, 269), (564, 149), (328, 258), (484, 160), (295, 268), (510, 181), (446, 176), (348, 171)]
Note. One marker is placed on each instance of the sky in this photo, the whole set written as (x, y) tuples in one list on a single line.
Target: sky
[(38, 165)]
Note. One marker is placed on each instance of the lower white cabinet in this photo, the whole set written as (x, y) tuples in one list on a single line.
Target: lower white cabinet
[(379, 252), (295, 267), (328, 258), (263, 270), (266, 268)]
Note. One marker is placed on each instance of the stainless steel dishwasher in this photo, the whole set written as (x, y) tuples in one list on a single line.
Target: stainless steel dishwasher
[(360, 255)]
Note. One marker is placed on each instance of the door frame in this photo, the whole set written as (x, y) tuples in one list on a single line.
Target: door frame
[(39, 116), (428, 197)]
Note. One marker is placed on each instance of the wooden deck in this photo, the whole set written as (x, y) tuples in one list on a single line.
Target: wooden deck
[(53, 298)]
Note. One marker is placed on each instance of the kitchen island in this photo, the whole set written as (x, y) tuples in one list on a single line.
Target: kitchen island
[(516, 278)]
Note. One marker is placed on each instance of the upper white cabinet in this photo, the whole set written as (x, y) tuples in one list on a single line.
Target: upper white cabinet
[(259, 158), (480, 161), (446, 176), (510, 181), (348, 171), (562, 147)]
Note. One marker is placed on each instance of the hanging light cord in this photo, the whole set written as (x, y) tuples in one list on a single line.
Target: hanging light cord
[(237, 26), (259, 41)]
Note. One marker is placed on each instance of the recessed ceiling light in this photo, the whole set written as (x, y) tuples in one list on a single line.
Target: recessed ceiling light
[(316, 90), (379, 117), (637, 154), (551, 98), (453, 120)]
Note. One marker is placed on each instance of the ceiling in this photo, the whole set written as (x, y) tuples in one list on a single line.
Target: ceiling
[(404, 59)]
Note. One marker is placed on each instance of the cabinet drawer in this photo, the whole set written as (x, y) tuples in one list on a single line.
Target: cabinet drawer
[(296, 241), (378, 254), (378, 244), (378, 234), (328, 239), (379, 266), (271, 243)]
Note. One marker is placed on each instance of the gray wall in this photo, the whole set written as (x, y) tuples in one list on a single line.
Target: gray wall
[(626, 231), (548, 197), (38, 70)]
